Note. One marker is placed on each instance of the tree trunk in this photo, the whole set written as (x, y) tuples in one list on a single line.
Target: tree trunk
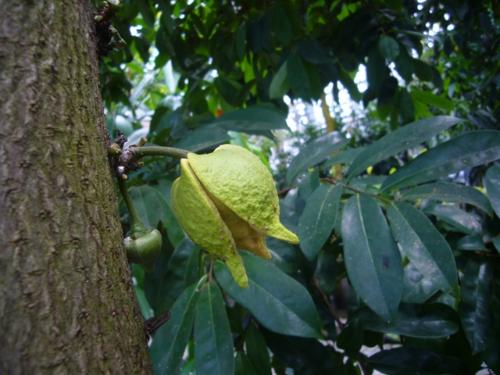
[(66, 301)]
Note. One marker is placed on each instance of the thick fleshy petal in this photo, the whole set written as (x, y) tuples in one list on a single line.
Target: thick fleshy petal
[(202, 222), (238, 178), (243, 234)]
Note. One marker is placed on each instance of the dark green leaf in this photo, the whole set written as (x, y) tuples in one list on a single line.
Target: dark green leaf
[(404, 138), (448, 192), (328, 271), (371, 255), (346, 156), (153, 207), (492, 184), (475, 304), (429, 98), (423, 321), (243, 366), (416, 287), (414, 361), (276, 300), (458, 219), (171, 338), (251, 119), (424, 246), (471, 242), (257, 351), (279, 85), (318, 218), (150, 204), (202, 138), (212, 334), (171, 276), (313, 153), (462, 152), (388, 47), (351, 338)]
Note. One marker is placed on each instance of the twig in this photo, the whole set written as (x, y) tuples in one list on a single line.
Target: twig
[(151, 325), (159, 151)]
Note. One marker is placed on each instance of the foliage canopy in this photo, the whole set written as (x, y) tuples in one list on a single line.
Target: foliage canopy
[(397, 208)]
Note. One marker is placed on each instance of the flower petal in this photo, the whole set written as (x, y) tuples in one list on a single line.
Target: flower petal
[(202, 222)]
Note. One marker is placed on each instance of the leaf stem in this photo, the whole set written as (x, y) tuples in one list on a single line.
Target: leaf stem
[(160, 151), (351, 188)]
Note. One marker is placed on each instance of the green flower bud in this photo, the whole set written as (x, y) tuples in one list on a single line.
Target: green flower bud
[(227, 200), (143, 247)]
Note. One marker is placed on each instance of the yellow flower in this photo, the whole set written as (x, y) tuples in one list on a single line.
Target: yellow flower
[(227, 200)]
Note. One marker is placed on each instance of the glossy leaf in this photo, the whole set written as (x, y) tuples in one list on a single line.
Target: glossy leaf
[(416, 287), (458, 219), (388, 47), (371, 255), (408, 360), (404, 138), (318, 218), (421, 321), (243, 366), (257, 351), (277, 301), (252, 119), (279, 86), (313, 153), (172, 275), (423, 245), (465, 151), (202, 138), (212, 334), (475, 304), (153, 207), (328, 271), (492, 184), (171, 338), (448, 192)]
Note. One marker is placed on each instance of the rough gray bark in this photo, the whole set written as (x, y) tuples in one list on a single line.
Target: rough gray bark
[(66, 302)]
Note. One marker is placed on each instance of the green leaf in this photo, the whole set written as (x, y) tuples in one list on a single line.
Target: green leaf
[(277, 301), (171, 338), (408, 360), (171, 276), (429, 98), (416, 287), (212, 334), (328, 271), (471, 242), (257, 351), (475, 304), (318, 218), (424, 246), (279, 85), (388, 47), (458, 219), (346, 156), (243, 366), (448, 192), (203, 138), (404, 138), (252, 119), (421, 321), (313, 153), (465, 151), (153, 207), (492, 184), (371, 255)]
